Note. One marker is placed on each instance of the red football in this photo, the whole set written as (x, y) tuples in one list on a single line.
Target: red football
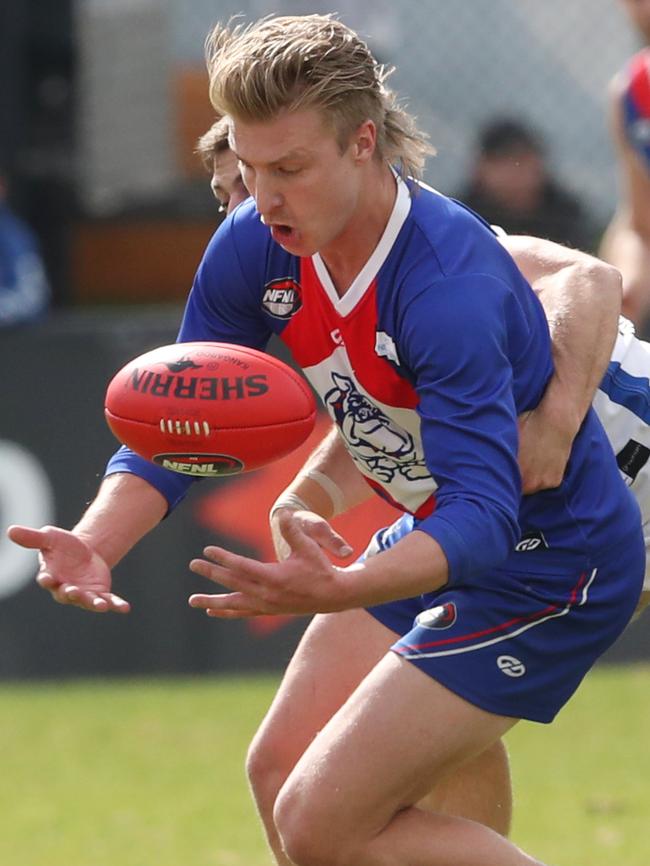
[(207, 409)]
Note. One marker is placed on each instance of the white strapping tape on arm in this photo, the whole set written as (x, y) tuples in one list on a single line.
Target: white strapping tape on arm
[(330, 487), (288, 500)]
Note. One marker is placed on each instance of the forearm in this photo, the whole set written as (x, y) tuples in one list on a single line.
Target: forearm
[(125, 509), (583, 333), (581, 297), (413, 566), (345, 486)]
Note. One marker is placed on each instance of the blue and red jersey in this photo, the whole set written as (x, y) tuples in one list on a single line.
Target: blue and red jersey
[(424, 364)]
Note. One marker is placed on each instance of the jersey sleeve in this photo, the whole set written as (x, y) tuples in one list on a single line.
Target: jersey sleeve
[(224, 304), (454, 338), (222, 307), (172, 485)]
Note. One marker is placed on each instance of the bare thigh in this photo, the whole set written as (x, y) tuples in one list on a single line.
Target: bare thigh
[(335, 654), (396, 737)]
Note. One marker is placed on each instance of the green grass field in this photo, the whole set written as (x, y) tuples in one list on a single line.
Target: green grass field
[(149, 773)]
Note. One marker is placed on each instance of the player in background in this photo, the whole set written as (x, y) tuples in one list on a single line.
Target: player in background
[(626, 242), (25, 293), (221, 163), (382, 727)]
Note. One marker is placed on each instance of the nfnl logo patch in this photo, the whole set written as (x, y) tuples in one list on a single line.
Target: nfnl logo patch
[(282, 298), (200, 465)]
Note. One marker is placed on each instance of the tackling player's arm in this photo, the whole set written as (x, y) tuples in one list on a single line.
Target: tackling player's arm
[(581, 297), (626, 242)]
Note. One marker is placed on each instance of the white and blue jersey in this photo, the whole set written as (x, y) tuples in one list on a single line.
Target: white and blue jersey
[(623, 406), (424, 364)]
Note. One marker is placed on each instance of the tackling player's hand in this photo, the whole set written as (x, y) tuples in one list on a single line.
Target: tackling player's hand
[(69, 569), (544, 448), (314, 526)]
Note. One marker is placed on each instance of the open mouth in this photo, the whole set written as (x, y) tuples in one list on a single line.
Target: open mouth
[(281, 232)]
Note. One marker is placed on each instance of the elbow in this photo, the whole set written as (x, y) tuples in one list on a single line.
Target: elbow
[(482, 539), (508, 532), (605, 279)]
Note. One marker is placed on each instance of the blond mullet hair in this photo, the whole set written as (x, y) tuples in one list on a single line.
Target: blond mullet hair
[(292, 62)]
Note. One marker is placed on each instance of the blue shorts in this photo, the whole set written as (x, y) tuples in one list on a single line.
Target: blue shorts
[(517, 641)]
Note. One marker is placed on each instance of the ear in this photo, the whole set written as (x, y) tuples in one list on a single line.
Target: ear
[(364, 142)]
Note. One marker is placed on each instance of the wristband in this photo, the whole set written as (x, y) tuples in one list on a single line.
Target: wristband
[(330, 487), (288, 500)]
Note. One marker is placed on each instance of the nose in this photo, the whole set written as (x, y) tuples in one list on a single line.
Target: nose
[(266, 197)]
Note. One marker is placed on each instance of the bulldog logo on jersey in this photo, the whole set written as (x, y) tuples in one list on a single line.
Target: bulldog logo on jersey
[(374, 439), (282, 298)]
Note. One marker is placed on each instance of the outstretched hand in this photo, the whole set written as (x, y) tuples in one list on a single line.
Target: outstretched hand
[(69, 569), (305, 582)]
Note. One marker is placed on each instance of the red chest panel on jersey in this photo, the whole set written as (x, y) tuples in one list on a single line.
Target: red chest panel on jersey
[(318, 330)]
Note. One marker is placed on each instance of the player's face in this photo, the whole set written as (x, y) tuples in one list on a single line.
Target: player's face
[(227, 184), (639, 12), (306, 190)]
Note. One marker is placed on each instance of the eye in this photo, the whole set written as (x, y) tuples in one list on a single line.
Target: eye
[(288, 171)]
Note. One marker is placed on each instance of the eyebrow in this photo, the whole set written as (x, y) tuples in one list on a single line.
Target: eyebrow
[(298, 153)]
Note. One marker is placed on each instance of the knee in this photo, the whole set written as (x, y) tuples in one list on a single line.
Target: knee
[(267, 768), (297, 827)]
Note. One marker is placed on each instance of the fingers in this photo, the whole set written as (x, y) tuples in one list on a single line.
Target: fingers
[(233, 605), (90, 600), (95, 602), (313, 526), (329, 539), (25, 536), (295, 536), (229, 569)]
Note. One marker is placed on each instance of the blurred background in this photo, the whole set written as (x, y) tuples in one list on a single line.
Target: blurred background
[(101, 105), (113, 751)]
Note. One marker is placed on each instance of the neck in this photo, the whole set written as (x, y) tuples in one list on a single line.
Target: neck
[(346, 255)]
